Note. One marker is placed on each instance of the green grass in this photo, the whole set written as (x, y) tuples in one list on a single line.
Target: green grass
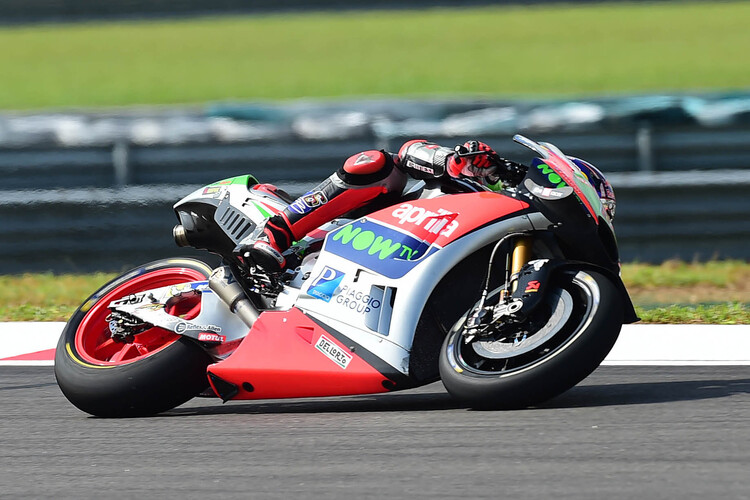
[(675, 273), (730, 313), (543, 50), (714, 292), (46, 297)]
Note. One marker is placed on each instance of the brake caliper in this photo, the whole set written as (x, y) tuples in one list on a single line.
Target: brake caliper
[(528, 288), (530, 285), (124, 327)]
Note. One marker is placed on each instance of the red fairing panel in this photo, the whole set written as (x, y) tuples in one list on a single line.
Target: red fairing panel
[(287, 355), (442, 220)]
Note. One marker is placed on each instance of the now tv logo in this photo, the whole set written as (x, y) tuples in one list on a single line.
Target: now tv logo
[(381, 248)]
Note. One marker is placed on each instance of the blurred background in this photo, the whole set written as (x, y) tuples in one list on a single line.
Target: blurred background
[(110, 112)]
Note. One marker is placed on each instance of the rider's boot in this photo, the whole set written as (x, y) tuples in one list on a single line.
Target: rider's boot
[(266, 251), (362, 178)]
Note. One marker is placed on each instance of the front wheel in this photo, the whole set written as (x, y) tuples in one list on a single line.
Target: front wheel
[(151, 372), (521, 364)]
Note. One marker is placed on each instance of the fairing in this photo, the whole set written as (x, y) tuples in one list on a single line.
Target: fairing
[(287, 355), (365, 301), (218, 216), (567, 172), (393, 241)]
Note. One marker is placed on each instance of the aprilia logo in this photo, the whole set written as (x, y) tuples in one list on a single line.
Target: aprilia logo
[(441, 222)]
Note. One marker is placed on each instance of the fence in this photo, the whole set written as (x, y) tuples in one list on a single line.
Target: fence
[(639, 149), (83, 209)]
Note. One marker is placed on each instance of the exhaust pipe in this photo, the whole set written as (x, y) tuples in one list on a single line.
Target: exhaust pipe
[(223, 284), (180, 236)]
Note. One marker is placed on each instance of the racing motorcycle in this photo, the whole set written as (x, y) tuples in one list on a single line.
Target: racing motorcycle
[(510, 298)]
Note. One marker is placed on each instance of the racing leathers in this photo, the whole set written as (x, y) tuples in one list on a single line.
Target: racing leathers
[(370, 176)]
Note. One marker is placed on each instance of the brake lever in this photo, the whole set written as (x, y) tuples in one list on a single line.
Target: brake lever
[(462, 152)]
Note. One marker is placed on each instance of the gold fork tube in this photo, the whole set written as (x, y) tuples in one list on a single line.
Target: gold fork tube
[(521, 255)]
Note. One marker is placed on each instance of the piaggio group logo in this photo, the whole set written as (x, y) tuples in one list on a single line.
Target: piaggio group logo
[(324, 286)]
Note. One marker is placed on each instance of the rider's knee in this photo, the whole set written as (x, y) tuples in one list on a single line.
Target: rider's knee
[(365, 168)]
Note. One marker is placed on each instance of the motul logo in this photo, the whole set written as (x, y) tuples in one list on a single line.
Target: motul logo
[(211, 337)]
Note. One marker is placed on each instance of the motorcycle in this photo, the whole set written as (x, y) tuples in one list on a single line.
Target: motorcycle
[(510, 298)]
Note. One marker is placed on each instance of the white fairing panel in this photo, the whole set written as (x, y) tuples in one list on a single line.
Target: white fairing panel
[(381, 313)]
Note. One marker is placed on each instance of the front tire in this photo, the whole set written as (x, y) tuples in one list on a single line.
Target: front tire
[(156, 371), (567, 337)]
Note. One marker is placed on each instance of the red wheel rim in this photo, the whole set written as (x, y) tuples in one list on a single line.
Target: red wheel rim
[(93, 341)]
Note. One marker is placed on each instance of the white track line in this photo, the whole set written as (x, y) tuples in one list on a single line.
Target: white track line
[(681, 345), (659, 345), (25, 338)]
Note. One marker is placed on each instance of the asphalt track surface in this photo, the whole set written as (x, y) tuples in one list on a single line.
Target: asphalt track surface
[(625, 432)]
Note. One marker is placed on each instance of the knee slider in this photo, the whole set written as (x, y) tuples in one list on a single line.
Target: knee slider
[(366, 167)]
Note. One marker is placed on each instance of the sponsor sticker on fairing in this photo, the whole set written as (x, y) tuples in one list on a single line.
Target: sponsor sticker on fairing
[(387, 251), (356, 300), (186, 326), (333, 351), (130, 299), (324, 286), (211, 337), (214, 191), (426, 222), (548, 193)]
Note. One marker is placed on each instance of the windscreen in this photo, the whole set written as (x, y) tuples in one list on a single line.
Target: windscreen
[(569, 173)]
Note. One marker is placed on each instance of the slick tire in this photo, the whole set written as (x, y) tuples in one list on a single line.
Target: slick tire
[(492, 376), (158, 371)]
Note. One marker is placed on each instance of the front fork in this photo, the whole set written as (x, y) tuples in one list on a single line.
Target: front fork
[(518, 256)]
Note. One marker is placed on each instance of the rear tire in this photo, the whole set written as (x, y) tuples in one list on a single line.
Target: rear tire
[(156, 372), (568, 337)]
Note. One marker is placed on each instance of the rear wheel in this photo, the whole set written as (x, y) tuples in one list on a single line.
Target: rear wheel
[(153, 371), (521, 364)]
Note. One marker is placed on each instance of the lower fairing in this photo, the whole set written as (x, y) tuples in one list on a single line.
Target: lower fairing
[(290, 355)]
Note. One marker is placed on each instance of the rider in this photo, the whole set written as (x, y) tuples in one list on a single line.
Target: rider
[(371, 175)]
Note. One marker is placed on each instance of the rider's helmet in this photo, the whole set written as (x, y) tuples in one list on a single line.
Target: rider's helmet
[(604, 188)]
